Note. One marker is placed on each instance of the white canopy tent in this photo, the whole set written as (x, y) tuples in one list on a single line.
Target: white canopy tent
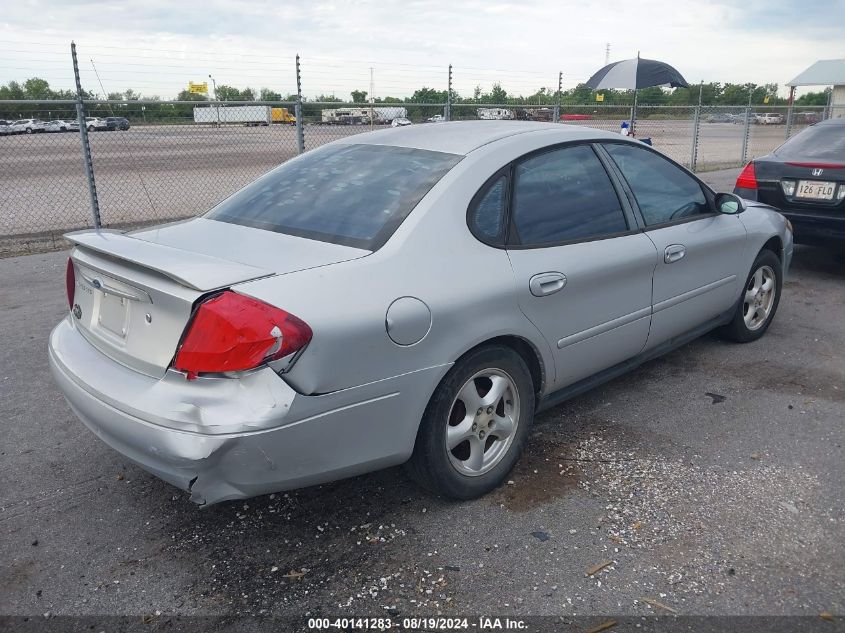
[(825, 72)]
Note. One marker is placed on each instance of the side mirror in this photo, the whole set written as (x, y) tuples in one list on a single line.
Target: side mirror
[(730, 203)]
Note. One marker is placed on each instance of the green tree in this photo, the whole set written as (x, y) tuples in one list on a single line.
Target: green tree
[(269, 95), (359, 96), (809, 99), (228, 93), (325, 98), (184, 95), (498, 94), (428, 95), (37, 88), (12, 90)]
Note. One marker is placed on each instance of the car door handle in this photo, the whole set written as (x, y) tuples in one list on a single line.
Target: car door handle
[(674, 253), (544, 284)]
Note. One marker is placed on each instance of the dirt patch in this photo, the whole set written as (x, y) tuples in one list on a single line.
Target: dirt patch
[(787, 378), (547, 471), (17, 574)]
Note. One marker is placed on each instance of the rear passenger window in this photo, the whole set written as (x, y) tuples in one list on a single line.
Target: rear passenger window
[(664, 191), (487, 214), (564, 195)]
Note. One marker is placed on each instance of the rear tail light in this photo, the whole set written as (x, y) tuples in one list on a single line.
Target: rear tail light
[(840, 195), (233, 332), (70, 282), (748, 178)]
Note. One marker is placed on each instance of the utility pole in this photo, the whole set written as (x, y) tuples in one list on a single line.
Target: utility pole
[(86, 146), (607, 54)]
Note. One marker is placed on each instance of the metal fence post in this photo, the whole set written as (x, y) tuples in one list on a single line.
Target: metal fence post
[(557, 96), (696, 127), (86, 147), (747, 129), (300, 126), (448, 113), (789, 111), (828, 111)]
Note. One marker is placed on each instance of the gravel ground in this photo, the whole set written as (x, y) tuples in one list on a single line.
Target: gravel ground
[(708, 482)]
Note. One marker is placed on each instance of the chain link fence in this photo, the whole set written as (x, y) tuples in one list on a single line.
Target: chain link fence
[(156, 161)]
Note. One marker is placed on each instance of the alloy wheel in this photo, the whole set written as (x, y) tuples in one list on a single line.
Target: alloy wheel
[(482, 422), (759, 298)]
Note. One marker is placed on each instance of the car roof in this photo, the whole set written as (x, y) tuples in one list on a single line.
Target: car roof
[(837, 121), (462, 137)]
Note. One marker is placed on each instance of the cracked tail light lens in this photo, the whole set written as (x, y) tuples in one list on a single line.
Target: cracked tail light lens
[(788, 187), (748, 178), (70, 283), (233, 332)]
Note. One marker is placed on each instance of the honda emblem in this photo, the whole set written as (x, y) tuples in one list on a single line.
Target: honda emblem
[(818, 172)]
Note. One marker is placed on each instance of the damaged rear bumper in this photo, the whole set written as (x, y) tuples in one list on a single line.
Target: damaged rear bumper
[(224, 438)]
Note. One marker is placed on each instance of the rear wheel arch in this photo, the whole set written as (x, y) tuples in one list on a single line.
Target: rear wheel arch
[(526, 349)]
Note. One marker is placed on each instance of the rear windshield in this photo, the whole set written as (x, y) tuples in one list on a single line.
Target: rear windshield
[(356, 195), (819, 142)]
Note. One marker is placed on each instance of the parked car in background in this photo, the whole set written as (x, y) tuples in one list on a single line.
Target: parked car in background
[(95, 124), (806, 118), (719, 117), (5, 127), (56, 126), (805, 179), (117, 123), (437, 118), (768, 118), (400, 122), (72, 125), (224, 353), (28, 126)]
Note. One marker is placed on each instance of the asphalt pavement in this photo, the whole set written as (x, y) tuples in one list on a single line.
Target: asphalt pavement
[(708, 482)]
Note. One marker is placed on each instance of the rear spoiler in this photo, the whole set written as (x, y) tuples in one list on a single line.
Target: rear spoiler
[(194, 270)]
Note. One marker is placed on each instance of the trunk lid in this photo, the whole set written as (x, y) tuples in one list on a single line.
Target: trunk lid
[(135, 293), (772, 172)]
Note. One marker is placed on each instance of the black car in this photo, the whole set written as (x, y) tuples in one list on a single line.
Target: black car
[(805, 179), (117, 123)]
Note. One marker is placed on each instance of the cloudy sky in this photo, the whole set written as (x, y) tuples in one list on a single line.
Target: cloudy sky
[(157, 46)]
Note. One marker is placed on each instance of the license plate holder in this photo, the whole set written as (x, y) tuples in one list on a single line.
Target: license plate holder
[(815, 190), (113, 315)]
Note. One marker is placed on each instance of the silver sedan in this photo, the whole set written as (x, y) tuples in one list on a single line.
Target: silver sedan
[(411, 295)]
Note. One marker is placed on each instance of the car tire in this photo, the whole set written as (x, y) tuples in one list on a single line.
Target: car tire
[(487, 431), (90, 128), (759, 300), (29, 130)]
